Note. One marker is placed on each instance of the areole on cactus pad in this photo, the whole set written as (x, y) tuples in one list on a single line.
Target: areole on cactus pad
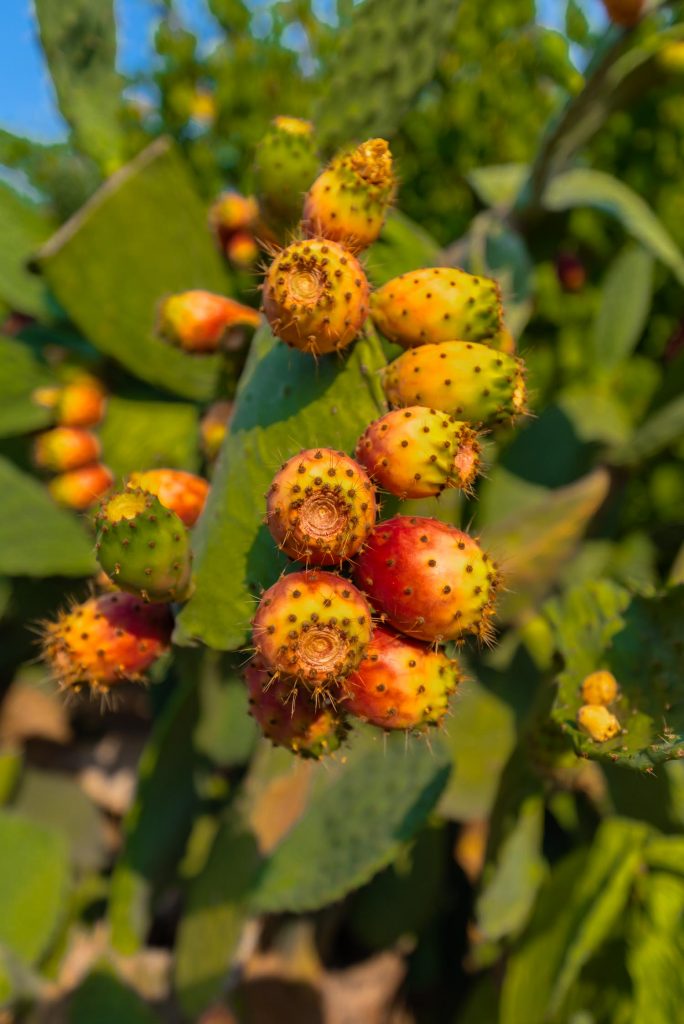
[(321, 507)]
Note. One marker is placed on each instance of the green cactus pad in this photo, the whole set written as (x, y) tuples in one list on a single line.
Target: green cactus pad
[(638, 639), (144, 547)]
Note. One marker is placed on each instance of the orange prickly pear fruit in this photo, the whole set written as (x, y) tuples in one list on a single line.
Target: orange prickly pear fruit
[(79, 489), (198, 321), (598, 722), (242, 249), (184, 493), (214, 426), (348, 202), (599, 688), (316, 296), (437, 304), (233, 212), (105, 640), (80, 403), (65, 448)]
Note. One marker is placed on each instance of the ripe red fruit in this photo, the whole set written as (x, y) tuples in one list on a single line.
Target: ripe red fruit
[(291, 717), (401, 683), (432, 581), (184, 493), (418, 452), (65, 448), (106, 640), (81, 488), (321, 507), (316, 296), (313, 626)]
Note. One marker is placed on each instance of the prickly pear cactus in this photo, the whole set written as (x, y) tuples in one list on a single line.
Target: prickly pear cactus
[(638, 639)]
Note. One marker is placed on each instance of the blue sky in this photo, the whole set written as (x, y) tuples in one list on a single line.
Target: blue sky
[(27, 104)]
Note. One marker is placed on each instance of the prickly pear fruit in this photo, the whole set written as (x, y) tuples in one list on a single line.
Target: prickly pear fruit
[(289, 716), (80, 488), (471, 382), (321, 507), (570, 272), (598, 722), (214, 427), (143, 547), (184, 493), (349, 200), (65, 448), (599, 688), (432, 581), (198, 321), (232, 212), (316, 296), (286, 163), (80, 403), (401, 683), (424, 307), (312, 626), (625, 13), (418, 452), (242, 250), (106, 640)]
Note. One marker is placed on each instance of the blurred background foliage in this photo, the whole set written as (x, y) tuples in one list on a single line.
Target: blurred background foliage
[(497, 876)]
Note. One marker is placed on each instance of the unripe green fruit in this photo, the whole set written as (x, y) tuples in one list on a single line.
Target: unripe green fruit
[(285, 164), (144, 547)]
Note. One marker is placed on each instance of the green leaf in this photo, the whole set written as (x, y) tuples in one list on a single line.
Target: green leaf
[(583, 186), (25, 226), (11, 764), (499, 184), (146, 435), (158, 824), (386, 55), (656, 955), (36, 537), (662, 429), (354, 823), (286, 402), (576, 24), (601, 625), (20, 374), (148, 228), (403, 245), (625, 305), (34, 882), (535, 541), (225, 732), (79, 40), (58, 802), (481, 735), (103, 998), (665, 853), (575, 913), (214, 914)]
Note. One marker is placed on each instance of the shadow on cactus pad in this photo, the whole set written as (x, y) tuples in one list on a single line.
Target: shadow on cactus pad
[(637, 638)]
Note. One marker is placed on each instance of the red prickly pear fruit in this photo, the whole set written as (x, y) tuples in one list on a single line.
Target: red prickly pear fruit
[(418, 452), (349, 200), (232, 212), (431, 581), (65, 448), (625, 13), (320, 507), (81, 403), (79, 489), (242, 250), (184, 493), (316, 296), (144, 547), (106, 640), (290, 716), (471, 382), (401, 683), (198, 321), (312, 626), (426, 307), (570, 272), (214, 427)]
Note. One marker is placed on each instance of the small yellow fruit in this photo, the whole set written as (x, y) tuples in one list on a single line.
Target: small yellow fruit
[(599, 688), (598, 722)]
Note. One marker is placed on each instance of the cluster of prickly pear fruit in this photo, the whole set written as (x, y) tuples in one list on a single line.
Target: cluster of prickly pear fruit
[(71, 450), (371, 648), (234, 220)]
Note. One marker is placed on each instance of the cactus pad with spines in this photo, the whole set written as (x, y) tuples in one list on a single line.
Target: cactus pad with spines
[(638, 639)]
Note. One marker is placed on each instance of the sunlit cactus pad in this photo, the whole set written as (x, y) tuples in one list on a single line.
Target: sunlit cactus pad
[(639, 639)]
